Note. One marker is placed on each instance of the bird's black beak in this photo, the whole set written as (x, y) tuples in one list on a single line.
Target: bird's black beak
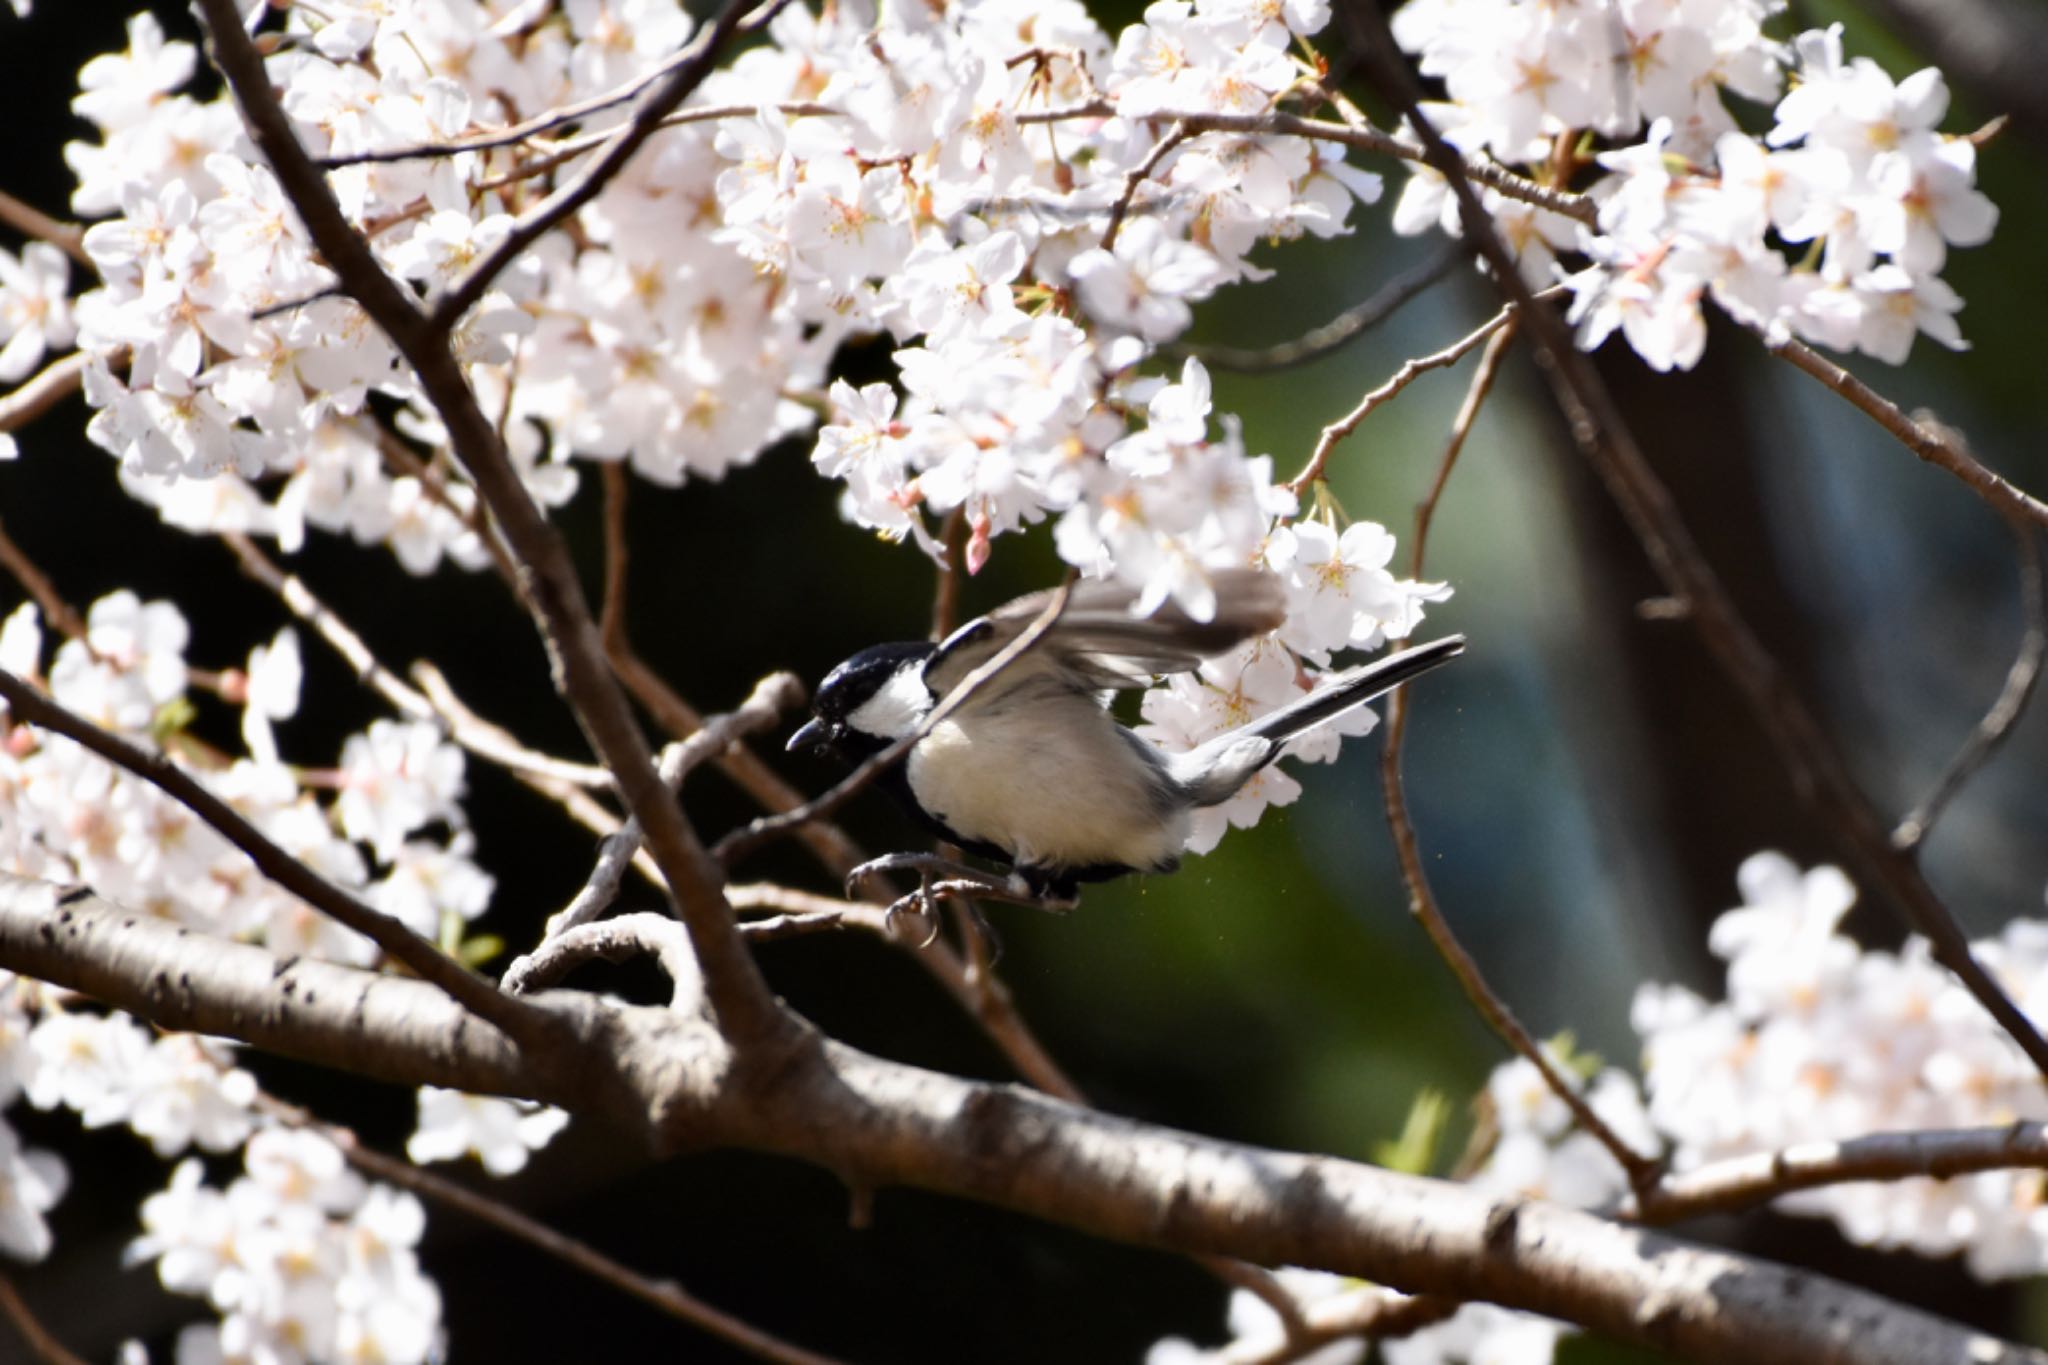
[(813, 733)]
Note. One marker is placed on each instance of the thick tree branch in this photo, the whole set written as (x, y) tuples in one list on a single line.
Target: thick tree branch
[(555, 597), (673, 1078)]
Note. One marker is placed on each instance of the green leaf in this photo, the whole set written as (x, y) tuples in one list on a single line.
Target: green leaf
[(1414, 1152), (173, 716), (474, 952)]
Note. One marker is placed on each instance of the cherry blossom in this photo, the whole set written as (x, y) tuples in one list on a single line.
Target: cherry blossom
[(499, 1133)]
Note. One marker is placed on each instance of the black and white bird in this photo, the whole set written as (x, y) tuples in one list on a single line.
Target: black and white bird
[(1032, 771)]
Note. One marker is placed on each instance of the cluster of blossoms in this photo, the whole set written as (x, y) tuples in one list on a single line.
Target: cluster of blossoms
[(70, 818), (75, 819), (304, 1260), (966, 183), (1817, 1041), (1853, 177)]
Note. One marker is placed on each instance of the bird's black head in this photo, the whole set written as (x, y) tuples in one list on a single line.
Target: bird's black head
[(875, 697)]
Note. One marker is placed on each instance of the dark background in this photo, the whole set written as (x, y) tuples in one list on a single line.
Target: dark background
[(1584, 781)]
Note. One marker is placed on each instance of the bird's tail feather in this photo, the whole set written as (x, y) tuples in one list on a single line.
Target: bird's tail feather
[(1354, 687), (1213, 773)]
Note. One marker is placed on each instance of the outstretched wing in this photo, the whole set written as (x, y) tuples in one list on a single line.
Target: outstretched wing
[(1098, 644)]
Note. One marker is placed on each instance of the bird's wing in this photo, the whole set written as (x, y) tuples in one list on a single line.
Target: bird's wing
[(1099, 644)]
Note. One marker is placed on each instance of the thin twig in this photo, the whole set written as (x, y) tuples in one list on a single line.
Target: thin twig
[(567, 114), (771, 697), (436, 704), (554, 154), (680, 75), (47, 1348), (746, 839), (826, 841), (489, 740), (1737, 1183), (1476, 168), (1339, 331), (519, 1021), (2005, 711), (1818, 773), (1410, 371), (1642, 1171), (951, 572), (1476, 394), (613, 940), (38, 586), (986, 1000), (1923, 439), (1138, 176), (30, 221), (39, 393), (618, 558), (663, 1295)]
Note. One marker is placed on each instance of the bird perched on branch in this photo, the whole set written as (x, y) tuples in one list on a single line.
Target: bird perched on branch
[(1031, 770)]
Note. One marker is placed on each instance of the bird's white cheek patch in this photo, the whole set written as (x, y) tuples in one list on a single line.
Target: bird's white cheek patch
[(894, 711)]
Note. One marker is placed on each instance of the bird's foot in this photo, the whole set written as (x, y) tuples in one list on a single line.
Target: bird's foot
[(941, 879), (926, 865)]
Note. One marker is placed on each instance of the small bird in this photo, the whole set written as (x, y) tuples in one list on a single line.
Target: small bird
[(1032, 771)]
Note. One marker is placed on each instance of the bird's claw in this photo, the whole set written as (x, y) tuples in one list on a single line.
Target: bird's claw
[(921, 903), (924, 864)]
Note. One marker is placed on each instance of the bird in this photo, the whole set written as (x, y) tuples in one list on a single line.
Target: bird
[(1032, 771)]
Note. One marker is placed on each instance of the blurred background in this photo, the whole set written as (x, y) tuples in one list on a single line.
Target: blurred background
[(1584, 782)]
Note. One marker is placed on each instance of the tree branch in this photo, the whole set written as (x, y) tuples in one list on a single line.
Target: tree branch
[(46, 1348), (672, 1078), (1312, 345), (1997, 723), (1410, 371), (1743, 1182), (31, 221), (1642, 1171), (437, 705), (58, 612), (40, 392), (1922, 438), (555, 598), (612, 940)]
